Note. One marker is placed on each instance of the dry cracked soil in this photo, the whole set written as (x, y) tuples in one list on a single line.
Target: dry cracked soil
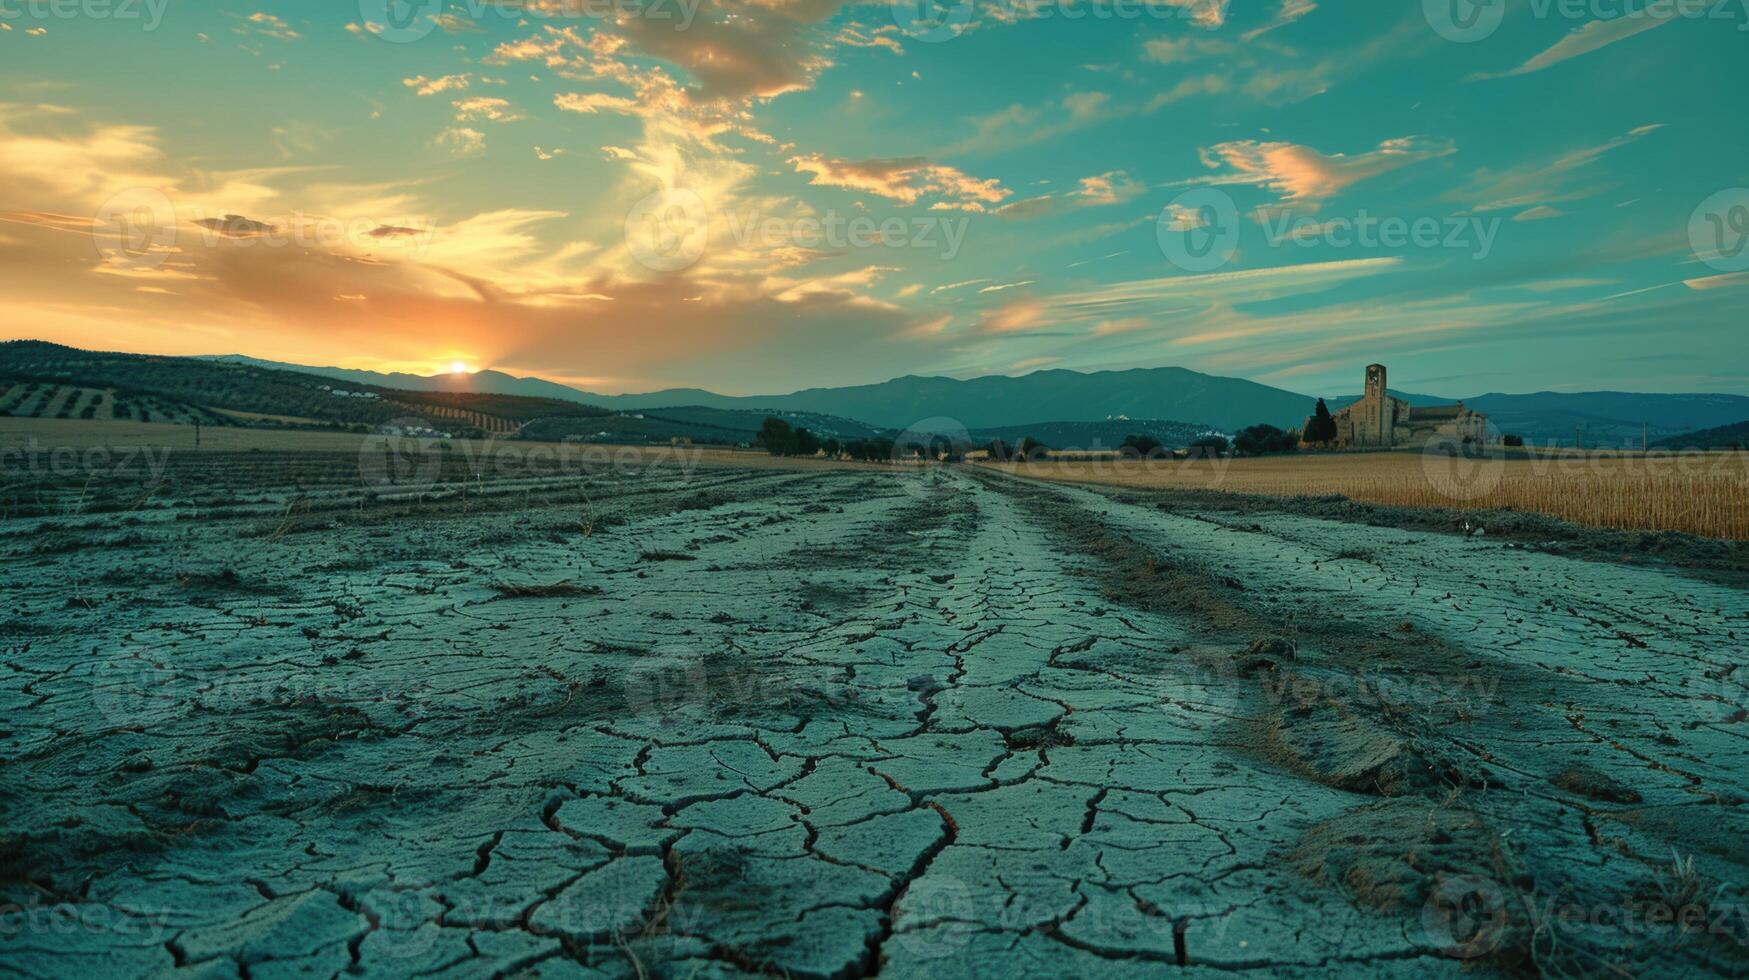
[(835, 722)]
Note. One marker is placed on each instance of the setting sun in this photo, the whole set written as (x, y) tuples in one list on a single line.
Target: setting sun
[(458, 367)]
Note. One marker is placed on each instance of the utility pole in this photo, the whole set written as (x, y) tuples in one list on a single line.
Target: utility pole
[(1643, 443), (1578, 441)]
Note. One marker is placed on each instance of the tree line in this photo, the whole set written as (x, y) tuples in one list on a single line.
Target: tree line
[(779, 438)]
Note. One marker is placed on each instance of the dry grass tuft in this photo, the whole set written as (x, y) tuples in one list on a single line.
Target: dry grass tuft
[(550, 590)]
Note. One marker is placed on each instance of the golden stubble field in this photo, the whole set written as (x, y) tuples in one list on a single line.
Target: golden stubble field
[(1700, 493)]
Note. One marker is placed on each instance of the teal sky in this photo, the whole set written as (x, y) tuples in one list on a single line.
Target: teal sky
[(622, 201)]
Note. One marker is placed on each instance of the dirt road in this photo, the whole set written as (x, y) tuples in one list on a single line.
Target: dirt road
[(843, 722)]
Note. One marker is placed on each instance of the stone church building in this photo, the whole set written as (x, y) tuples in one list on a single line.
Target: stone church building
[(1382, 421)]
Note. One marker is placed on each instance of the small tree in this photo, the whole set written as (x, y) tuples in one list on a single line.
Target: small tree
[(806, 443), (1259, 440), (1512, 440), (777, 437), (1322, 428), (1141, 447), (999, 450), (1209, 446), (1032, 449)]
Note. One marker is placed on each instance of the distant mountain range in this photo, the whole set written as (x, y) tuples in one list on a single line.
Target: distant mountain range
[(483, 382), (994, 401), (1599, 418)]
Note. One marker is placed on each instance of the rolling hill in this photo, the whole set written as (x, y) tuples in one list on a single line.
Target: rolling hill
[(41, 380), (182, 389), (1733, 436)]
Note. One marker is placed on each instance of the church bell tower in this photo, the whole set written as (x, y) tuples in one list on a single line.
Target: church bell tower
[(1378, 399)]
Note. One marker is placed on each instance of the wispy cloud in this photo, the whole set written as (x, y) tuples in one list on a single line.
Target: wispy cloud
[(462, 141), (1288, 12), (1590, 37), (1120, 299), (1541, 183), (486, 108), (906, 180), (1300, 173), (433, 86), (268, 25)]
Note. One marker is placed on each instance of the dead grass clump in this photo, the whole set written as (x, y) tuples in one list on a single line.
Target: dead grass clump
[(1344, 749), (562, 589), (1039, 737), (1441, 866), (1593, 785), (667, 556), (1386, 854)]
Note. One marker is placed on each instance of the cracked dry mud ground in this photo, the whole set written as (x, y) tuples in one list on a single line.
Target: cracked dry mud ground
[(842, 722)]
